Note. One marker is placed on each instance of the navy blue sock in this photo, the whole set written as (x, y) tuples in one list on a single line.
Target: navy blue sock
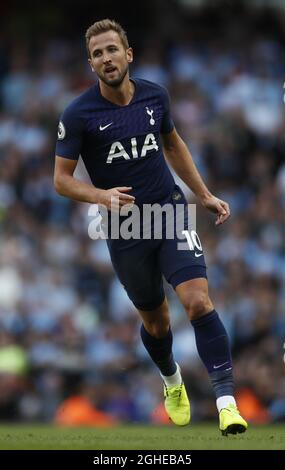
[(160, 350), (214, 350)]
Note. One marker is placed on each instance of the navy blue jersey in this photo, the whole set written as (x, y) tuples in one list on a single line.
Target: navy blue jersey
[(121, 145)]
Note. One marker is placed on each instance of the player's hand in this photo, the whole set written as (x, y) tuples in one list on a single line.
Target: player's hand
[(115, 198), (219, 207)]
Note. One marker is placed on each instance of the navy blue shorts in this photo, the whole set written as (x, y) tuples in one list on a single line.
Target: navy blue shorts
[(141, 264)]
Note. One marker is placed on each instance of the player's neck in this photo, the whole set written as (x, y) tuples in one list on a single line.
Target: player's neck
[(121, 95)]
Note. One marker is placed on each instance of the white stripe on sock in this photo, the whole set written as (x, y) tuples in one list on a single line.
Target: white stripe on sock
[(175, 379), (223, 402)]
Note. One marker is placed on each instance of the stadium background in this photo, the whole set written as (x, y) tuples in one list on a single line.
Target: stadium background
[(67, 329)]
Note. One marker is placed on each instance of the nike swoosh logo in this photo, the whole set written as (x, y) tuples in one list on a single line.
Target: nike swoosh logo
[(104, 127), (220, 365), (198, 254)]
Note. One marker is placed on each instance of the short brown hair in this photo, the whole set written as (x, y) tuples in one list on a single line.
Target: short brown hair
[(102, 27)]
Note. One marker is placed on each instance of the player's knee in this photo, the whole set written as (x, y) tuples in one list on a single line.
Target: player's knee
[(157, 329), (198, 305)]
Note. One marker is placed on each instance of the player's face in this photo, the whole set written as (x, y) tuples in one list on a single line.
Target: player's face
[(108, 58)]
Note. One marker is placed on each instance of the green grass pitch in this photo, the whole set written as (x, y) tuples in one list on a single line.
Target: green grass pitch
[(138, 437)]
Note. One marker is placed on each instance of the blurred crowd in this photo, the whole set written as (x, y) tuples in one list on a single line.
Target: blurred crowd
[(67, 329)]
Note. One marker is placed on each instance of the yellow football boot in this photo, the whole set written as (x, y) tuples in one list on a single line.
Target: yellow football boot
[(231, 421), (177, 404)]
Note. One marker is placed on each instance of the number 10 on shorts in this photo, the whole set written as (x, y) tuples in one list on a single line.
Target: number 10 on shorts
[(193, 241)]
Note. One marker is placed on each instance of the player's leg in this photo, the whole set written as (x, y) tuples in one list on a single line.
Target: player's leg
[(185, 269), (138, 270), (157, 338), (213, 347)]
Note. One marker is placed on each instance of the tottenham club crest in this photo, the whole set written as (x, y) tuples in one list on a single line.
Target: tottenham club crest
[(61, 131), (150, 113)]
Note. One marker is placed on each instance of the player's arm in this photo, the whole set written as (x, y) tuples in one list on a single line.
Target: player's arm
[(179, 157), (67, 185)]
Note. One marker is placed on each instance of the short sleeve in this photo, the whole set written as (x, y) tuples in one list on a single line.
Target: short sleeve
[(69, 135), (167, 124)]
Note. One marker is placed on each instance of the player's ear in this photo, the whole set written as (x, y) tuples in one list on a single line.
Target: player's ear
[(90, 63), (130, 56)]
